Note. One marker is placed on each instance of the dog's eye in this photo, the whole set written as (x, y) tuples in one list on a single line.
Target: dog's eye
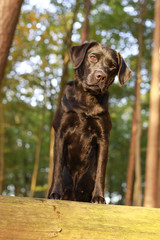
[(112, 66), (93, 58)]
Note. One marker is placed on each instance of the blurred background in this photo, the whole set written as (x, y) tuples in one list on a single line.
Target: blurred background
[(37, 70)]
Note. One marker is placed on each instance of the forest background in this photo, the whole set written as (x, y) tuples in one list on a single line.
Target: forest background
[(37, 70)]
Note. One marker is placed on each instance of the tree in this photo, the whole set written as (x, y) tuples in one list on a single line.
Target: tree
[(135, 162), (85, 29), (153, 129), (137, 194), (158, 184), (131, 162), (9, 12), (37, 155), (2, 140)]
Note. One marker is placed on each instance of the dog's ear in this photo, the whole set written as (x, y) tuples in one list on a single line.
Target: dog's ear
[(124, 73), (77, 53)]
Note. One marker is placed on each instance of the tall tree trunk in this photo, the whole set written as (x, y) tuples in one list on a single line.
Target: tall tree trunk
[(137, 194), (51, 152), (131, 162), (2, 136), (158, 176), (109, 184), (134, 158), (152, 143), (85, 29), (25, 177), (37, 156), (9, 14), (64, 79), (158, 181)]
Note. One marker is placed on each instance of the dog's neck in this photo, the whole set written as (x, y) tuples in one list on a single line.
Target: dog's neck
[(77, 99)]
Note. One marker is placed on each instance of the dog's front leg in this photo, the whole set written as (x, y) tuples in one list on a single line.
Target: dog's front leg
[(98, 192), (56, 191)]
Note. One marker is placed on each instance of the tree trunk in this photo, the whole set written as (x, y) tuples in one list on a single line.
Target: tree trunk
[(37, 156), (158, 181), (50, 160), (9, 14), (137, 194), (2, 137), (134, 157), (158, 176), (131, 162), (85, 29), (26, 179), (152, 143)]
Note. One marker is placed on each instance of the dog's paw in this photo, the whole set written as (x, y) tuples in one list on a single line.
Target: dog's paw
[(98, 199), (55, 196)]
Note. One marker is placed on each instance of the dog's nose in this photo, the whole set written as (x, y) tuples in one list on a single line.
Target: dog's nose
[(100, 76)]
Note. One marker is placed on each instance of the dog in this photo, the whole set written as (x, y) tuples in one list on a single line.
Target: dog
[(82, 124)]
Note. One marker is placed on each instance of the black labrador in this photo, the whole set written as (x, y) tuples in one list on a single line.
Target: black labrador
[(82, 124)]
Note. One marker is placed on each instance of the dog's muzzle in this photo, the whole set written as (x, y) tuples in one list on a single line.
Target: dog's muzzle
[(100, 76)]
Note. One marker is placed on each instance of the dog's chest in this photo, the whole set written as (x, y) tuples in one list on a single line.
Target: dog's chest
[(85, 128), (81, 140), (82, 136)]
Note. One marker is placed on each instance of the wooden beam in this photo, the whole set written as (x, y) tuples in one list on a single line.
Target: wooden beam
[(28, 218)]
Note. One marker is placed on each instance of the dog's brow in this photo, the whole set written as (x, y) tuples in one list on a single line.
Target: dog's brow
[(96, 52)]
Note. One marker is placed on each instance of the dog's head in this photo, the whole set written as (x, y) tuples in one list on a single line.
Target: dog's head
[(97, 66)]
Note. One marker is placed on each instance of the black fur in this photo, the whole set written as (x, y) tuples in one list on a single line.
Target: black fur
[(82, 124)]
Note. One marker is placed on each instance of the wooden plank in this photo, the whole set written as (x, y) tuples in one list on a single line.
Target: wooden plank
[(27, 218)]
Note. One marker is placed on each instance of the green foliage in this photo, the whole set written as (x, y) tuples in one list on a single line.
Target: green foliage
[(32, 82)]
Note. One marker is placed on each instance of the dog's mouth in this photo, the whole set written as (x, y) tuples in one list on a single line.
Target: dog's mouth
[(96, 81), (95, 87)]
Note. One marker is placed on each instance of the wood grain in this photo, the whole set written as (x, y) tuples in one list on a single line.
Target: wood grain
[(28, 218)]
